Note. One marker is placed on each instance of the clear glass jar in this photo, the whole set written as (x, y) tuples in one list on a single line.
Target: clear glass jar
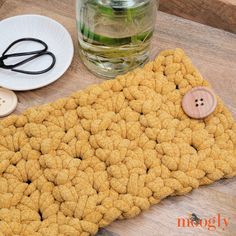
[(114, 35)]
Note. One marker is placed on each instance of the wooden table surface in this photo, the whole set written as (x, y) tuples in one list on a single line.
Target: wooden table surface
[(213, 51), (217, 13)]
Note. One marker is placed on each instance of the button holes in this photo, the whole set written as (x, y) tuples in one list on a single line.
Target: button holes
[(201, 99), (3, 101), (196, 100), (141, 113), (202, 104), (196, 105)]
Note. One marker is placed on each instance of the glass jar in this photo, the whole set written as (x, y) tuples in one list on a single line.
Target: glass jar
[(114, 35)]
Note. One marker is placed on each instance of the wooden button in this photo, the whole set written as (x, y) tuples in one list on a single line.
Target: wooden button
[(199, 102), (8, 102)]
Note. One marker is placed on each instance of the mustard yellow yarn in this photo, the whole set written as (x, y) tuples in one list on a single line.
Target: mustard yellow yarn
[(110, 151)]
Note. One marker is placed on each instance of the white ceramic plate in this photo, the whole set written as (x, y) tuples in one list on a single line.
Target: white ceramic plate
[(35, 26)]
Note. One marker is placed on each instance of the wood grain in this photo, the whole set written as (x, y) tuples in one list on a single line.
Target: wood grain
[(217, 13), (213, 51)]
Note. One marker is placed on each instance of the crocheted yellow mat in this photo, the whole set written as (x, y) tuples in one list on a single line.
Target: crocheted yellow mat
[(110, 151)]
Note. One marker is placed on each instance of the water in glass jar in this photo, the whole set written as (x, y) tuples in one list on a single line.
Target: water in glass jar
[(114, 35)]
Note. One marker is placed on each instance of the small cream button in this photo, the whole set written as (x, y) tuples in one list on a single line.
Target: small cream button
[(8, 102), (199, 102)]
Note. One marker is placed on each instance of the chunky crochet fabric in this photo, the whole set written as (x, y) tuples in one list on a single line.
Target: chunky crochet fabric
[(110, 152)]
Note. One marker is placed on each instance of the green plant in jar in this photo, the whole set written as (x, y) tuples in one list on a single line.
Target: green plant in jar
[(114, 35)]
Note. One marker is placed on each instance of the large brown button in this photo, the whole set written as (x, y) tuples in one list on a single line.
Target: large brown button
[(199, 102), (8, 102)]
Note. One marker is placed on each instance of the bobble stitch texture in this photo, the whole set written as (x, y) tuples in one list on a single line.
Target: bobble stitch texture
[(110, 151)]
